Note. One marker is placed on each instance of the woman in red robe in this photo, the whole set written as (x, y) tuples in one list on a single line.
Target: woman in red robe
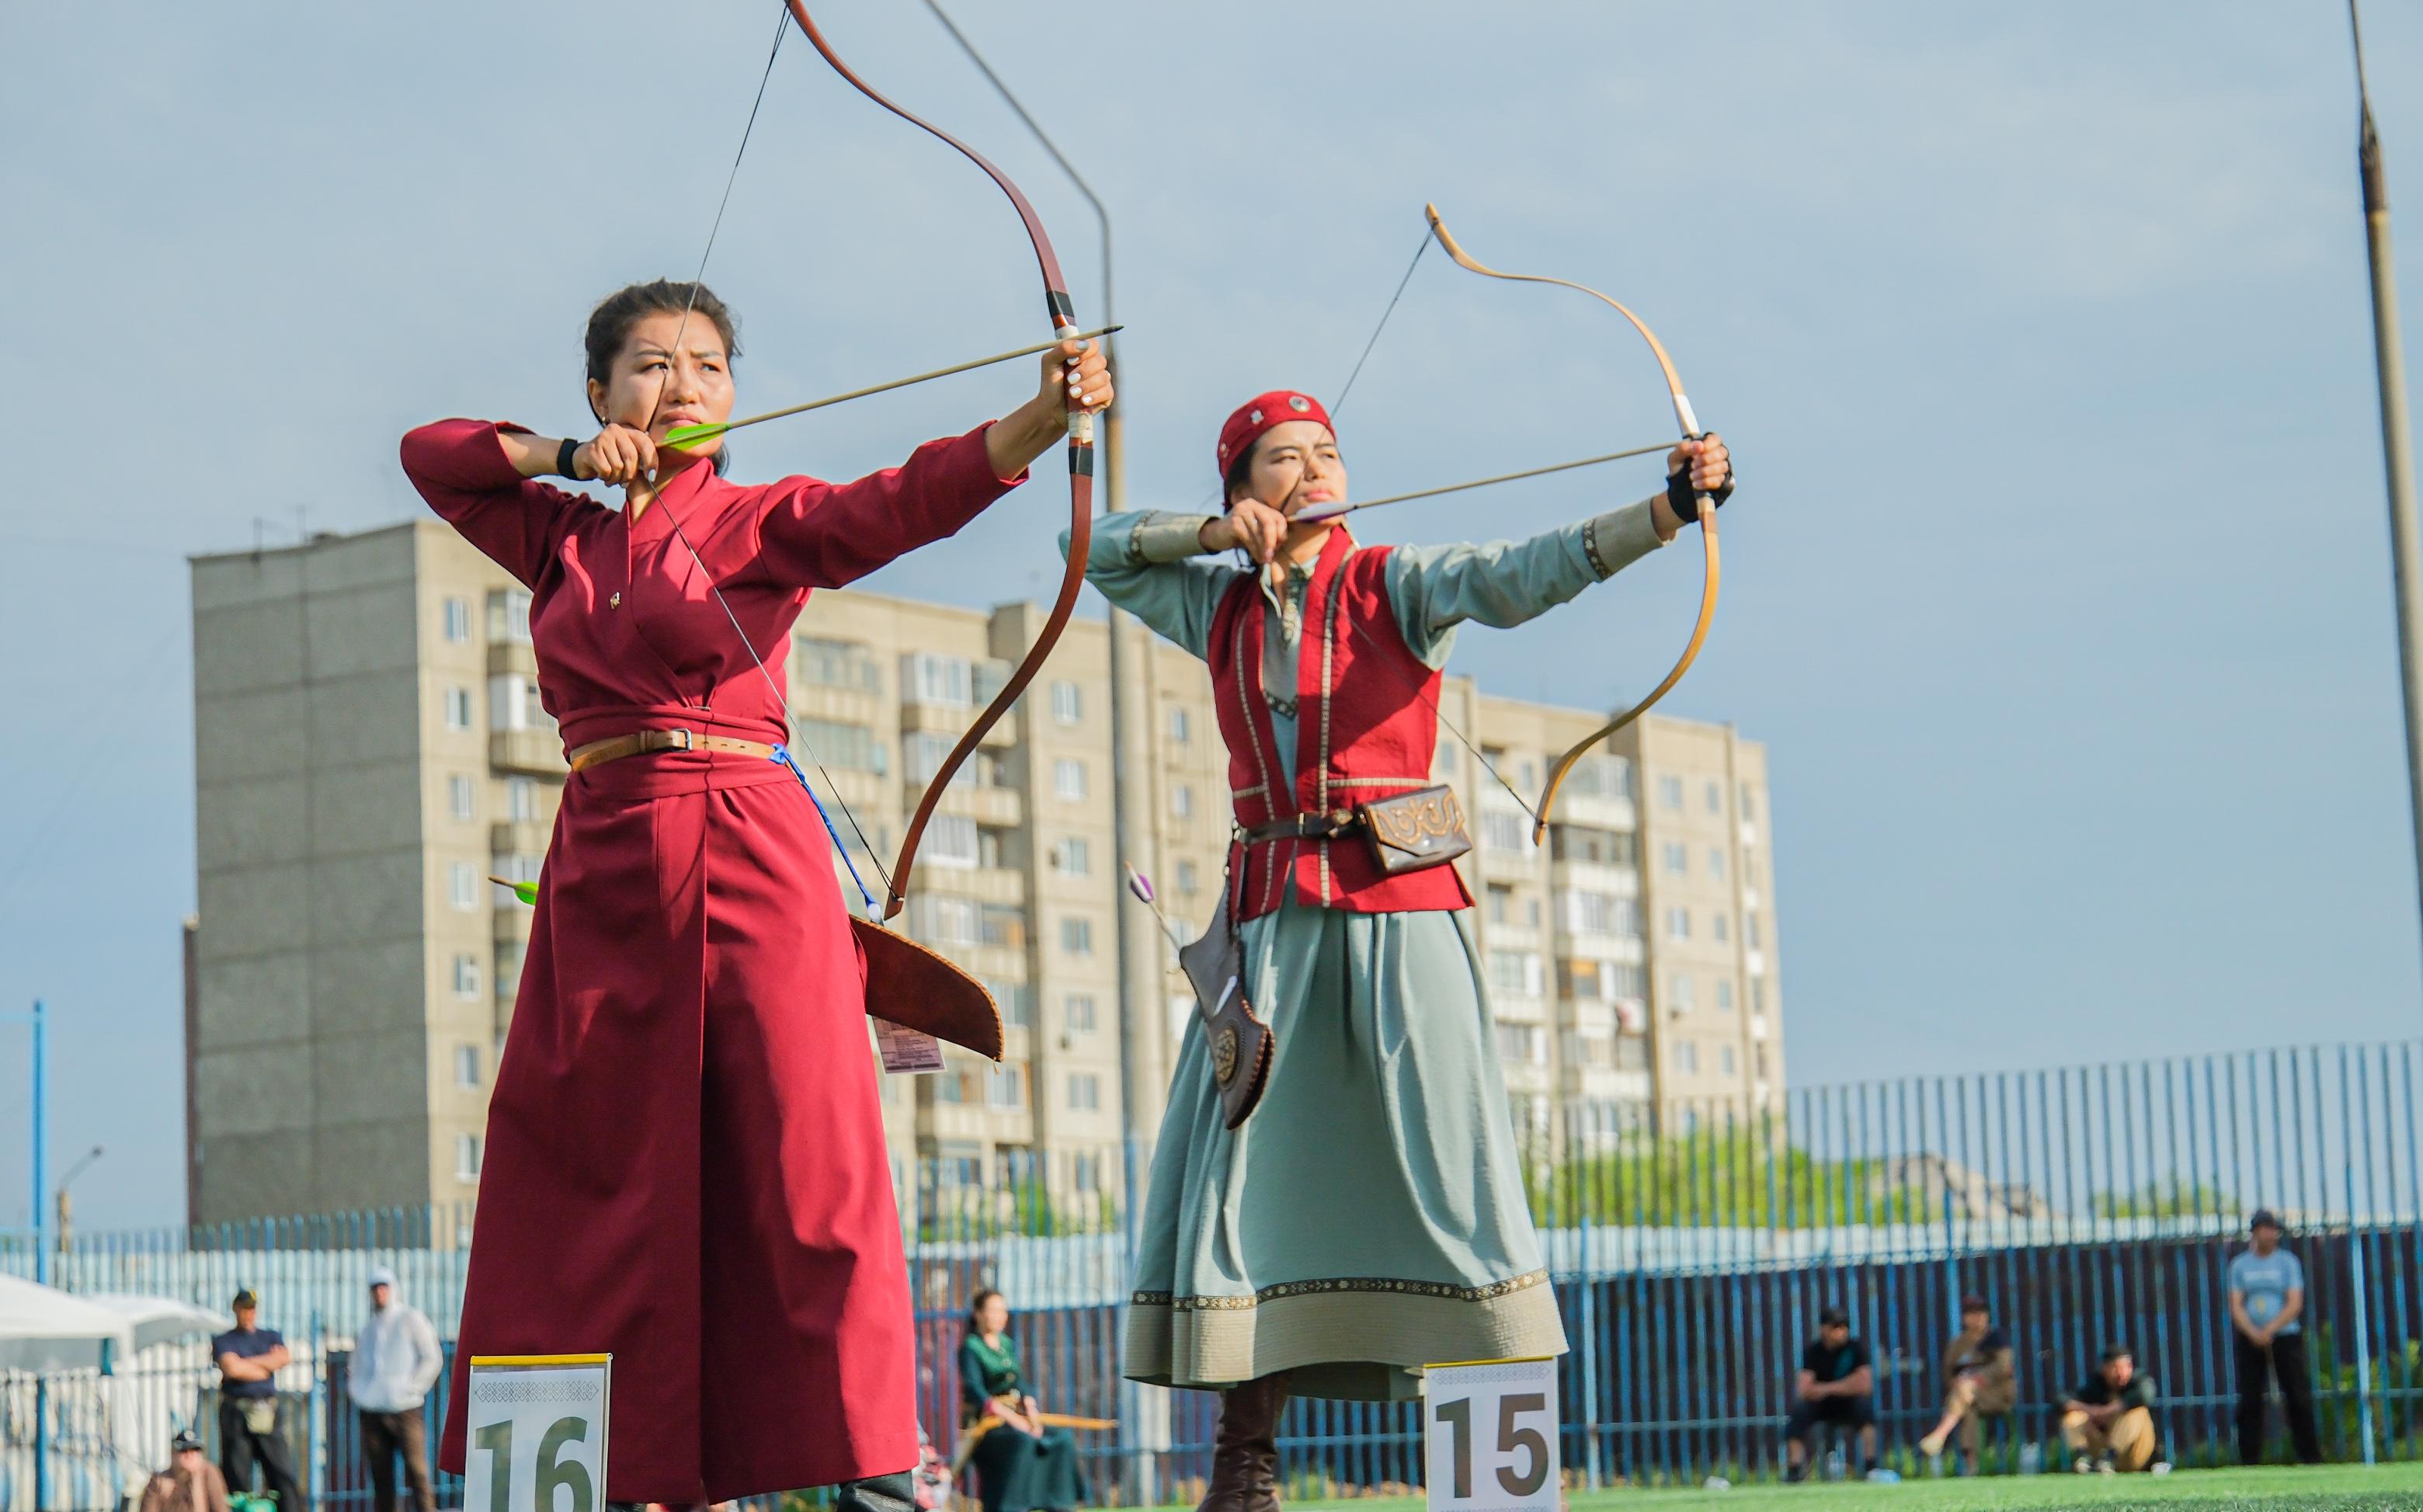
[(684, 1163)]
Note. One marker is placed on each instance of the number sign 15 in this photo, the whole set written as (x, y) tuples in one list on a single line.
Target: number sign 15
[(1492, 1432), (540, 1423)]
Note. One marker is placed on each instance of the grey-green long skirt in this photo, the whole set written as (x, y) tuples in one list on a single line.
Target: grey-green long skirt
[(1368, 1219)]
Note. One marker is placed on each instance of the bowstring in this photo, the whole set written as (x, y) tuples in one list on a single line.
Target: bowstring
[(1383, 323), (781, 705), (1449, 725)]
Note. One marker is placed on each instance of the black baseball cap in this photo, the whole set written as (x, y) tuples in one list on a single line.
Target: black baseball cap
[(2264, 1217), (2117, 1350), (1833, 1317), (246, 1298), (186, 1440)]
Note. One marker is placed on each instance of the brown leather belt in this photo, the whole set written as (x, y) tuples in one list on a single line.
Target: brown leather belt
[(643, 742)]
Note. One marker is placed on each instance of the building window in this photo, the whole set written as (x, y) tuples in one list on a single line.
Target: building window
[(467, 1157), (1757, 995), (1074, 856), (1750, 868), (462, 886), (1179, 730), (1181, 801), (1716, 862), (1725, 1060), (458, 709), (938, 919), (1669, 793), (1523, 1043), (509, 616), (1686, 1056), (1716, 926), (460, 800), (1678, 858), (1500, 897), (927, 677), (513, 703), (853, 746), (1017, 1001), (1077, 937), (1502, 832), (1443, 759), (1517, 971), (466, 1066), (1068, 778), (1068, 702), (1748, 804), (1749, 930), (835, 664), (458, 620), (1678, 992), (1678, 923), (1077, 1010), (1724, 995), (522, 799), (467, 978), (951, 840), (1006, 1086), (1085, 1093), (1716, 798), (1085, 1172), (1185, 876)]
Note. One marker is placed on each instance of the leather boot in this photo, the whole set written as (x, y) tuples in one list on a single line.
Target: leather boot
[(895, 1493), (1245, 1452)]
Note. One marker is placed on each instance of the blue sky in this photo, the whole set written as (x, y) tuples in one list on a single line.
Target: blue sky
[(2057, 584)]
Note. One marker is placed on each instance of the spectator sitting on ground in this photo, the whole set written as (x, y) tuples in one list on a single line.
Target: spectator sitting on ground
[(2109, 1423), (190, 1484), (1978, 1381), (1835, 1385), (1021, 1465)]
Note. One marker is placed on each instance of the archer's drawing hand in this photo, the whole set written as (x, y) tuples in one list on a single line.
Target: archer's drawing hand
[(1250, 526), (620, 455)]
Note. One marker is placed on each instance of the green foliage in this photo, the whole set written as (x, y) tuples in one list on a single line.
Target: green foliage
[(2158, 1198), (1735, 1177)]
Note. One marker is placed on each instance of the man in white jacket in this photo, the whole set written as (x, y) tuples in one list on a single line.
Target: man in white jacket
[(396, 1360)]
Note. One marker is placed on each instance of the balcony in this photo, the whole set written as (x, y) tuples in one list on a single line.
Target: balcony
[(525, 837), (538, 752), (511, 922), (1597, 812), (1000, 808), (951, 720), (841, 705), (1758, 1026), (512, 656)]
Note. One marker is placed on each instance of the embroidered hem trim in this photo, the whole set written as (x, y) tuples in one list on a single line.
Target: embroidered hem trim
[(1394, 1284)]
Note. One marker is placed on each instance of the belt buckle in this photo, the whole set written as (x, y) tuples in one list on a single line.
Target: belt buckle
[(683, 740)]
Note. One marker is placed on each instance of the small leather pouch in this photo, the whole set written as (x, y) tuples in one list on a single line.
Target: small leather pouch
[(1239, 1042), (259, 1414), (1414, 831)]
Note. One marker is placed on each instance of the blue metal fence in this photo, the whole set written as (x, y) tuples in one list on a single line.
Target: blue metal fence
[(1691, 1250)]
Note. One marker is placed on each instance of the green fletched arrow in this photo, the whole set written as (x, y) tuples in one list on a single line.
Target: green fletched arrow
[(526, 891), (684, 437)]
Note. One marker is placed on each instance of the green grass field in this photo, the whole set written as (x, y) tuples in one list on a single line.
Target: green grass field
[(2326, 1489)]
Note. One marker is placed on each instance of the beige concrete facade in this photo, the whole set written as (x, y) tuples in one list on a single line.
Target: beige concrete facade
[(370, 747)]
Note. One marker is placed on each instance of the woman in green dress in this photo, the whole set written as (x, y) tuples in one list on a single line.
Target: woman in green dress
[(1369, 1217), (1021, 1465)]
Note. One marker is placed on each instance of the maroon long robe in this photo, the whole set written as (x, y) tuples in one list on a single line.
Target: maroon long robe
[(684, 1162)]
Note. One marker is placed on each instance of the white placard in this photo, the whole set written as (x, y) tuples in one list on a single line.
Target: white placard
[(1491, 1428), (535, 1434), (905, 1051)]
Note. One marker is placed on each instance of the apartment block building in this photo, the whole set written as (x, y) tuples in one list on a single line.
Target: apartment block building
[(370, 747)]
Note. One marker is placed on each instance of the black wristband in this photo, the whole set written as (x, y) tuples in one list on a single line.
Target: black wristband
[(563, 458), (1684, 499)]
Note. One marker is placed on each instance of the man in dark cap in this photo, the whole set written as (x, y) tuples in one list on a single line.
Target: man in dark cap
[(2266, 1303), (249, 1358), (1834, 1385), (190, 1484), (1978, 1381)]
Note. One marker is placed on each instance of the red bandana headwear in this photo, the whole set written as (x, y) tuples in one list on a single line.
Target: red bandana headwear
[(1261, 413)]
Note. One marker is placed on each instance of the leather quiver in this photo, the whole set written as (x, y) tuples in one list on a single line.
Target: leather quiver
[(916, 988)]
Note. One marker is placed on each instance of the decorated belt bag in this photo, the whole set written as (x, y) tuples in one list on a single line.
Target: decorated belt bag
[(1239, 1040), (1414, 831)]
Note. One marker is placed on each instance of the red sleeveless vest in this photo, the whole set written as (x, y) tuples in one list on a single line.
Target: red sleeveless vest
[(1367, 726)]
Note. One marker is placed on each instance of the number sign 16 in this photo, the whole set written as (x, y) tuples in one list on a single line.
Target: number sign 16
[(1492, 1431), (537, 1432)]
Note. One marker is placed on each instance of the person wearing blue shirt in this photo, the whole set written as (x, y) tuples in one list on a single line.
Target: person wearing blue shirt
[(2267, 1300), (249, 1358)]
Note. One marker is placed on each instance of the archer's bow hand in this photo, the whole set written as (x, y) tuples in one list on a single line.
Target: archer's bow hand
[(1708, 466), (1075, 376)]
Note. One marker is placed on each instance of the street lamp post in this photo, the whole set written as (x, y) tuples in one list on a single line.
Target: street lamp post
[(72, 1172)]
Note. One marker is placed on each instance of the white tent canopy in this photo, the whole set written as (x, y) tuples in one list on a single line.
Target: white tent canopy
[(159, 1320), (42, 1328)]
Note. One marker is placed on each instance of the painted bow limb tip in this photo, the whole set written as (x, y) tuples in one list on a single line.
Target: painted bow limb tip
[(683, 438), (1704, 507)]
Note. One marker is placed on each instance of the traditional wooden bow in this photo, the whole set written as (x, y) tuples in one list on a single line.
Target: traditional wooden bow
[(1706, 508), (1063, 314)]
